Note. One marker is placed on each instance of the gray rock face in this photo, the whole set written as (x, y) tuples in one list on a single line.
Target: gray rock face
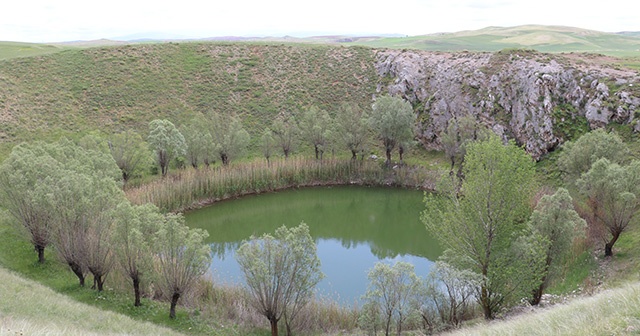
[(521, 95)]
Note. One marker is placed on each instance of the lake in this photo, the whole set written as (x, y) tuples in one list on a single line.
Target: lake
[(354, 227)]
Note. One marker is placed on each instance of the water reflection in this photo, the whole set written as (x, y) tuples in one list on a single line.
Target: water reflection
[(354, 227)]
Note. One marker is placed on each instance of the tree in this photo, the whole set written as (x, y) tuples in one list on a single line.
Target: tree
[(167, 142), (285, 129), (459, 133), (577, 157), (130, 152), (315, 127), (558, 224), (267, 143), (392, 289), (447, 293), (27, 176), (281, 272), (198, 140), (613, 195), (352, 128), (478, 224), (392, 120), (20, 173), (181, 256), (134, 225), (81, 225), (230, 138)]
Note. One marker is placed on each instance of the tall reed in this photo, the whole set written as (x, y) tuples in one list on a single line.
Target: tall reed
[(192, 188)]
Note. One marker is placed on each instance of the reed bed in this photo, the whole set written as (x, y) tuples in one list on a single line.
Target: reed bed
[(192, 188)]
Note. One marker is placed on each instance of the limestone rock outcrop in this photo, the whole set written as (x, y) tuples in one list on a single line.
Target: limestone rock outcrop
[(533, 98)]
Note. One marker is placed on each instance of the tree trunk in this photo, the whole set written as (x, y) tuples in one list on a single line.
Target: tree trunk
[(174, 302), (40, 249), (99, 281), (286, 323), (484, 302), (388, 153), (400, 151), (317, 151), (608, 248), (136, 290), (225, 159), (274, 326), (354, 155), (388, 325), (286, 153), (77, 270)]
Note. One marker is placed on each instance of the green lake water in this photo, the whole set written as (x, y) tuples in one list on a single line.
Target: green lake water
[(354, 227)]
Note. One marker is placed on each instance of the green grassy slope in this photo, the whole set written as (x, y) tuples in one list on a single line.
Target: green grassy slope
[(18, 49), (112, 88), (541, 38), (612, 312), (29, 308)]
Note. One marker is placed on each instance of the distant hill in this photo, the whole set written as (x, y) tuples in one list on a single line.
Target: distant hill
[(20, 49), (542, 38)]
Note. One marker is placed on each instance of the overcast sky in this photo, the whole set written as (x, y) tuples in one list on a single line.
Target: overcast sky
[(69, 20)]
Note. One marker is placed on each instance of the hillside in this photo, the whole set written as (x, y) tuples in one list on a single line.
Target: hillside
[(114, 88), (18, 49), (540, 100), (552, 39), (57, 314)]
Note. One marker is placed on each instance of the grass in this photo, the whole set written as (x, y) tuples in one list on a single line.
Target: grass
[(611, 312), (551, 39), (192, 188), (120, 87), (29, 308)]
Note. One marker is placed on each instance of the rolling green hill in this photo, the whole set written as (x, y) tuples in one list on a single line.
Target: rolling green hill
[(542, 38), (18, 49), (113, 88)]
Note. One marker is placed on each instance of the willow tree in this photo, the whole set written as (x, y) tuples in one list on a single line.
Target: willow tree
[(316, 127), (352, 128), (167, 142), (230, 138), (181, 257), (281, 272), (613, 196), (479, 223), (392, 120), (558, 224), (133, 229), (577, 156), (130, 152), (30, 172), (392, 290), (285, 130), (267, 143)]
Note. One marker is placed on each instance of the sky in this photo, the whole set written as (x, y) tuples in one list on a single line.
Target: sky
[(72, 20)]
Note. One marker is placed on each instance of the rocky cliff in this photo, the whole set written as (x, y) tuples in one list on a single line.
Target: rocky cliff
[(540, 100)]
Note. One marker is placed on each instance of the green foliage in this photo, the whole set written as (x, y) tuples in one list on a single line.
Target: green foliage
[(33, 173), (478, 223), (200, 145), (577, 157), (568, 125), (281, 272), (558, 225), (459, 133), (166, 141), (181, 257), (131, 153), (267, 143), (352, 128), (613, 196), (230, 138), (285, 129), (392, 120), (446, 296), (316, 127), (392, 292)]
